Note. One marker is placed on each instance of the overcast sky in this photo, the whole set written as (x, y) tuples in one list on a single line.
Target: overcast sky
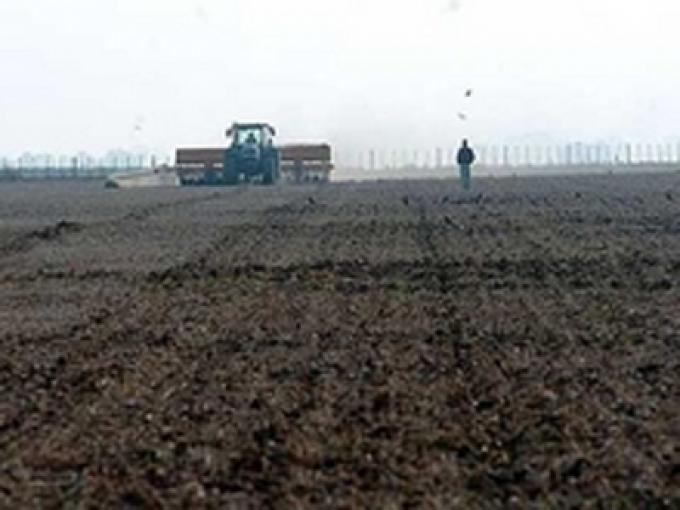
[(154, 74)]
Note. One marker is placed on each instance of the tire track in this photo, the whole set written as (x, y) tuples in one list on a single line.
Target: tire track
[(264, 227), (43, 361), (97, 343), (425, 233)]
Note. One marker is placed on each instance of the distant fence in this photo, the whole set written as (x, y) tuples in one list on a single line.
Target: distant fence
[(84, 166), (577, 154), (46, 167)]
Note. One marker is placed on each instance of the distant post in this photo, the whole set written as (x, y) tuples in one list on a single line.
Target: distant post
[(516, 155), (567, 155), (549, 156), (403, 156), (579, 153), (557, 155), (660, 157), (494, 155)]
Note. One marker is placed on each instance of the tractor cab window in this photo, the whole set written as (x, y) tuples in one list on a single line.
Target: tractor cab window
[(249, 136), (266, 138)]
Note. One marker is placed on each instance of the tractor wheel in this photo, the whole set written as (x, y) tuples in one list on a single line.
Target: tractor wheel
[(230, 178), (277, 172), (269, 174)]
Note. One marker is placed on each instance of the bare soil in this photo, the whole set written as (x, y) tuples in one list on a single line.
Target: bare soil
[(381, 345)]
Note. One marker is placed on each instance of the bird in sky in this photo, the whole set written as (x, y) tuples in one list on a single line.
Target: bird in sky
[(454, 5)]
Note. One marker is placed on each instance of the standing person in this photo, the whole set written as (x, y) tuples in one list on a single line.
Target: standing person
[(466, 157)]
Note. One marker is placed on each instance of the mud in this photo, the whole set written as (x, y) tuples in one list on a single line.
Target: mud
[(385, 345)]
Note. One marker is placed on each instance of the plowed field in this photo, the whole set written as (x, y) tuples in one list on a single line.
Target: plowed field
[(381, 345)]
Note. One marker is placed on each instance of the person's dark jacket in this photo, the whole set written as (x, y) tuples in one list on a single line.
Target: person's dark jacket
[(466, 156)]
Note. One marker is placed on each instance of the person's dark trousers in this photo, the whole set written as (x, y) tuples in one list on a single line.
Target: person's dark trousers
[(465, 176)]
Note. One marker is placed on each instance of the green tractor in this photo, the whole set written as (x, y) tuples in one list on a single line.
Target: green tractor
[(252, 156)]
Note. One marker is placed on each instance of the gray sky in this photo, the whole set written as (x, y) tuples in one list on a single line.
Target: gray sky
[(154, 74)]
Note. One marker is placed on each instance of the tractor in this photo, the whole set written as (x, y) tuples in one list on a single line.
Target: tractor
[(252, 154), (251, 157)]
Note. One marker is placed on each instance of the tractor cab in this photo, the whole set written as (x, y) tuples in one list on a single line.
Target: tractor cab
[(261, 135)]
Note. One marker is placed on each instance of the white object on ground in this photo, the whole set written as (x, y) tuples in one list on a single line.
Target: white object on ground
[(156, 178)]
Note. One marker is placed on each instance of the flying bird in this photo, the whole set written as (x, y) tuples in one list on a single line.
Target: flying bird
[(454, 5), (138, 123), (468, 93), (201, 12), (462, 116)]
